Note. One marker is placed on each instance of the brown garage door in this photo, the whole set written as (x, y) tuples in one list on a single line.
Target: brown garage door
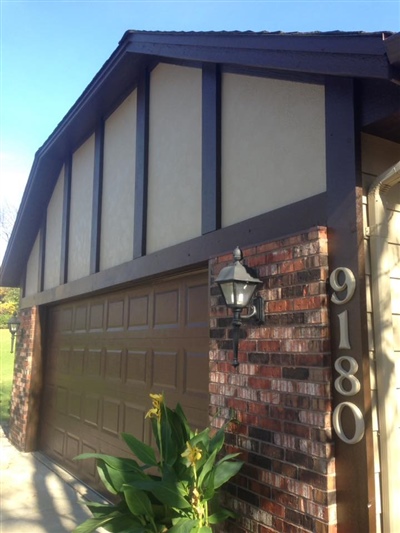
[(104, 356)]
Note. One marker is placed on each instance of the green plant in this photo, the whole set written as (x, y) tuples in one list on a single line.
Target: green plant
[(6, 375), (182, 496)]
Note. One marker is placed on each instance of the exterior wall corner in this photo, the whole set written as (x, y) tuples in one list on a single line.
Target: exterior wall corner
[(281, 394), (24, 412)]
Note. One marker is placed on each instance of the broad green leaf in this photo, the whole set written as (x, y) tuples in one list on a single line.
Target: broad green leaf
[(101, 509), (104, 475), (183, 525), (125, 524), (178, 430), (114, 478), (138, 502), (204, 529), (224, 471), (170, 494), (203, 437), (142, 451), (169, 448), (221, 516), (208, 487), (228, 457), (154, 428), (119, 463), (217, 441), (207, 467), (94, 523), (181, 415)]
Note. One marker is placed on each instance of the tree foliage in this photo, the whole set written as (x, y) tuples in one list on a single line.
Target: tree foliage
[(9, 304)]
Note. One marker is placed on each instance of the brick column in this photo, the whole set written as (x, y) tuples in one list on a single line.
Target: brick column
[(24, 413), (281, 392)]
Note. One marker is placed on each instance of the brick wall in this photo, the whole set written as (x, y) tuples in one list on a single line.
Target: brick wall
[(281, 392), (24, 408)]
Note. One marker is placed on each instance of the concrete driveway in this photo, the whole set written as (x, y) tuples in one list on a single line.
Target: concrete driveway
[(36, 496)]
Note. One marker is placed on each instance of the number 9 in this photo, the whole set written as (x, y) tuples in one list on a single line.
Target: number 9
[(349, 284)]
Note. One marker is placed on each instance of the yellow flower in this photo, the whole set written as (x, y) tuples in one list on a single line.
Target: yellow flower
[(192, 454), (155, 411)]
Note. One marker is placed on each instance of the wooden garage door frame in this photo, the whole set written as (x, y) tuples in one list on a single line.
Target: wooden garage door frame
[(105, 354)]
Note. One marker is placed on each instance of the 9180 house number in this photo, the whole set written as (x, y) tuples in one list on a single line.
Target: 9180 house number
[(343, 283)]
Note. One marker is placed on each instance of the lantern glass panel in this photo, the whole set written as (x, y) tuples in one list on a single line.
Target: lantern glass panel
[(13, 327), (237, 294)]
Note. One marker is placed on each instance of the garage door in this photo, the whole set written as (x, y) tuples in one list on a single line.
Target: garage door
[(104, 355)]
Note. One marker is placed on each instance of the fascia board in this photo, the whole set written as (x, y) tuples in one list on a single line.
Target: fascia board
[(356, 56)]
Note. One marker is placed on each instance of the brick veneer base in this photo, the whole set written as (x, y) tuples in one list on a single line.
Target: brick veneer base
[(280, 394), (21, 402)]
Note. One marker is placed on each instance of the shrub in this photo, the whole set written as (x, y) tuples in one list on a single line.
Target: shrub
[(182, 496)]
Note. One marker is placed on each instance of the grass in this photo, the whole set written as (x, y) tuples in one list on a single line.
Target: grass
[(6, 374)]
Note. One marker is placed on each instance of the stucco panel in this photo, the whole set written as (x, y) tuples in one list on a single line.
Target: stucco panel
[(81, 211), (53, 235), (119, 185), (273, 144), (174, 193), (32, 270)]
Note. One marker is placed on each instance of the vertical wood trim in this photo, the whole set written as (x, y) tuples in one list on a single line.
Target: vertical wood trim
[(42, 253), (211, 149), (97, 198), (65, 220), (23, 282), (142, 165), (354, 462)]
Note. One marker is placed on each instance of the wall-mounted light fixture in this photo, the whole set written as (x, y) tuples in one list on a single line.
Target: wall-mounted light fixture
[(238, 284), (13, 327)]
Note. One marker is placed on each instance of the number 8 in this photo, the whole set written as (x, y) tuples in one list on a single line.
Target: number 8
[(347, 374), (349, 283)]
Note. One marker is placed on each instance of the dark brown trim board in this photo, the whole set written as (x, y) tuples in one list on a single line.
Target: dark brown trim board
[(65, 220), (354, 472), (97, 198), (142, 157), (211, 149), (42, 252)]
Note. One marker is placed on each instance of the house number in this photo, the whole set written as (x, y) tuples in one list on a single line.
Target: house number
[(343, 283)]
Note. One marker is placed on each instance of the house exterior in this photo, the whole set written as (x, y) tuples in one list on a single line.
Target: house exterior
[(184, 146)]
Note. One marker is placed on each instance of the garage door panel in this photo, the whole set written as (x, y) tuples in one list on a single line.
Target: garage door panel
[(96, 317), (111, 416), (93, 364), (166, 309), (91, 410), (113, 364), (134, 421), (116, 314), (197, 306), (195, 372), (136, 367), (65, 320), (105, 354), (164, 370), (76, 357), (80, 318), (138, 313), (74, 404)]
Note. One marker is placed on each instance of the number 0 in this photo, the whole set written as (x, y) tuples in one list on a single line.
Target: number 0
[(358, 419)]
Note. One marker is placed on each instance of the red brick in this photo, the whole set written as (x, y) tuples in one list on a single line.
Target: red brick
[(283, 387)]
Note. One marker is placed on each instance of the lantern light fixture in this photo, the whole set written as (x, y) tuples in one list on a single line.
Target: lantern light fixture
[(13, 327), (238, 284)]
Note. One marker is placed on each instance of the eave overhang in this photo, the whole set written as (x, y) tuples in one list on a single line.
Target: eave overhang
[(356, 55)]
